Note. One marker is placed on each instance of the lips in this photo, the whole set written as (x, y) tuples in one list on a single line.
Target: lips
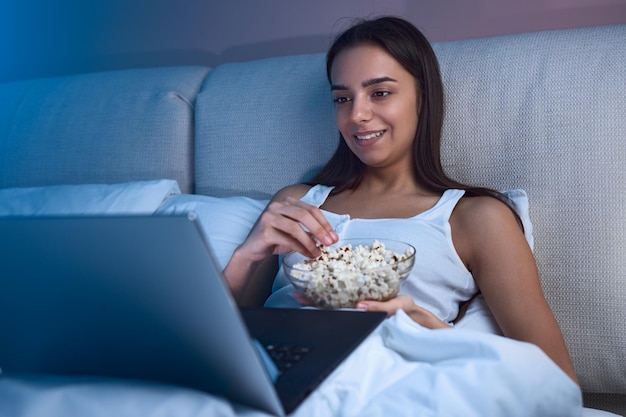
[(369, 135)]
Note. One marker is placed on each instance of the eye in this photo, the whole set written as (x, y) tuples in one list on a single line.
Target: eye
[(341, 100), (381, 94)]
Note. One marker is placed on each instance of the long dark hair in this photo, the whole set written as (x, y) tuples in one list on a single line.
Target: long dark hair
[(410, 48)]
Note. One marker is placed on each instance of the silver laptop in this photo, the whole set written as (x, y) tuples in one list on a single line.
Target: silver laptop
[(140, 297)]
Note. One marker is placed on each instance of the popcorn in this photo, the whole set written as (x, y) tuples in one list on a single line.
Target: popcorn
[(340, 277)]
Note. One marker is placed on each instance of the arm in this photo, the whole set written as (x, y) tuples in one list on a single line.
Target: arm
[(263, 278), (279, 229), (490, 242)]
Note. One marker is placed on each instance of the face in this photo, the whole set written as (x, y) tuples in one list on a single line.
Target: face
[(375, 105)]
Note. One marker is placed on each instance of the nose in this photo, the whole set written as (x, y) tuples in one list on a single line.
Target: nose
[(361, 110)]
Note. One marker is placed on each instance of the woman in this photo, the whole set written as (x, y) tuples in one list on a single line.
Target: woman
[(386, 180)]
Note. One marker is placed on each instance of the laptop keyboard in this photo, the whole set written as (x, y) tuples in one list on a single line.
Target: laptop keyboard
[(286, 356)]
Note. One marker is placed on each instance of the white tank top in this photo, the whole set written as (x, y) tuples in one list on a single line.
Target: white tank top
[(439, 280)]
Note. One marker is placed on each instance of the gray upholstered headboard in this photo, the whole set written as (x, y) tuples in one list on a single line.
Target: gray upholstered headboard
[(262, 125), (105, 127)]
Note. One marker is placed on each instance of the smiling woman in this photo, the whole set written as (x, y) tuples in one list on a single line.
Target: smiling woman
[(386, 181)]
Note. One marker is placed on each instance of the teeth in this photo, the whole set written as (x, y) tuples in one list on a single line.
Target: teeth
[(371, 135)]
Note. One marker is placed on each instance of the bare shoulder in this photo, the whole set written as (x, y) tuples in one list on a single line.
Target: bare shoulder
[(294, 191), (481, 212), (483, 224)]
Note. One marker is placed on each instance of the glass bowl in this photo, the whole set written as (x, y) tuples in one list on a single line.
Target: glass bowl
[(351, 270)]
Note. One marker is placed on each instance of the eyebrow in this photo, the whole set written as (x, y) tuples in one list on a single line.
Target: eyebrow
[(366, 83)]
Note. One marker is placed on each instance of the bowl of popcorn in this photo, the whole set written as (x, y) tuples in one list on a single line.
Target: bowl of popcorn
[(351, 270)]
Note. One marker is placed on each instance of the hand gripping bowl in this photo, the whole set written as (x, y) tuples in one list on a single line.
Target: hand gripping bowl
[(351, 270)]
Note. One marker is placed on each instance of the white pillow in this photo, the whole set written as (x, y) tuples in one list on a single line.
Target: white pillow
[(520, 199), (139, 197), (226, 221)]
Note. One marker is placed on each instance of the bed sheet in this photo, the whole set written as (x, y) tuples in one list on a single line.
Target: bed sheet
[(402, 369)]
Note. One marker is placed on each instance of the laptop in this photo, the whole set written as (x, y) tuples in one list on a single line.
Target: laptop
[(141, 297)]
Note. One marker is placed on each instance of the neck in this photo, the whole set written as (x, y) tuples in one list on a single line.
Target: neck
[(382, 181)]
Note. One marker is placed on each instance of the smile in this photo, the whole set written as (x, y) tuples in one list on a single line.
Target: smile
[(371, 135)]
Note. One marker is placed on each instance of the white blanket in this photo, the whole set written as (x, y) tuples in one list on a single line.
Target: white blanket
[(402, 369)]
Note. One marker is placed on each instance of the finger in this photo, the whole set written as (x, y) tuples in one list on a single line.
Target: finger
[(275, 233), (388, 307), (300, 298), (296, 238), (320, 228), (264, 241), (291, 224), (310, 218)]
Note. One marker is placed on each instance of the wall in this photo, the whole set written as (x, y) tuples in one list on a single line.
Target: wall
[(47, 38)]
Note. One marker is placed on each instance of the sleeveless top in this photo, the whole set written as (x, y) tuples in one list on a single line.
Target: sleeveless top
[(439, 280)]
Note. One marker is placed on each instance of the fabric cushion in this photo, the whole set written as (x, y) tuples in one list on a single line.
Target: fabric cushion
[(253, 146), (226, 222), (141, 197), (107, 127)]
